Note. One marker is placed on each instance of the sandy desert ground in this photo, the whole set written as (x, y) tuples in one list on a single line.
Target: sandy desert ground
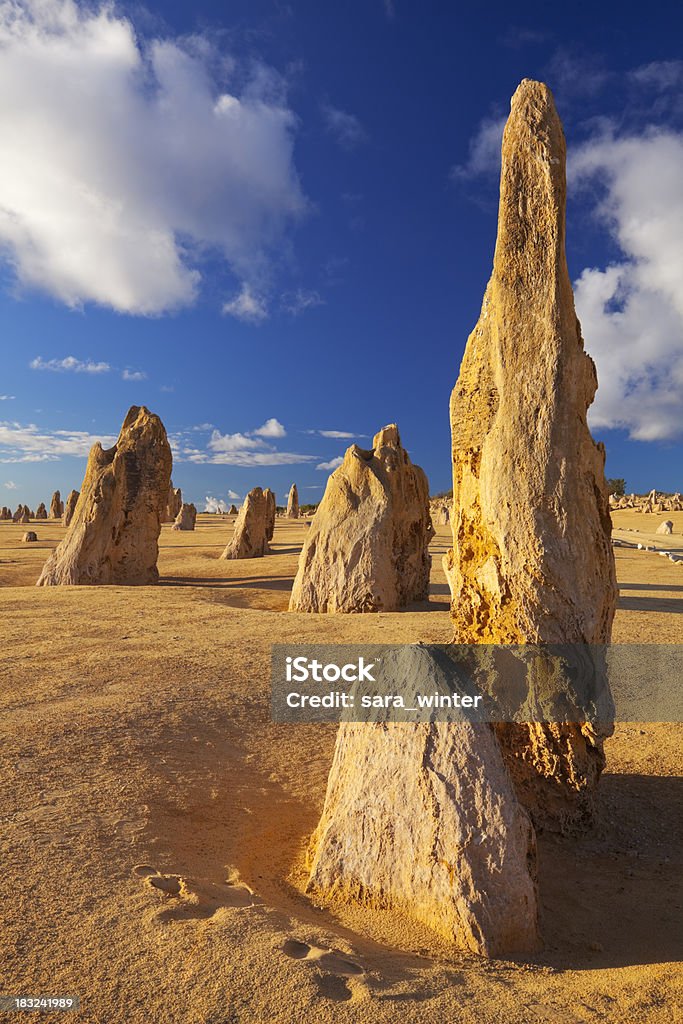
[(154, 818)]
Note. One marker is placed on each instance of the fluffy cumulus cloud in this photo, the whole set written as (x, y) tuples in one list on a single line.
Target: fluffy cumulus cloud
[(631, 311), (249, 448), (10, 485), (271, 428), (126, 162), (332, 464), (28, 443), (212, 504)]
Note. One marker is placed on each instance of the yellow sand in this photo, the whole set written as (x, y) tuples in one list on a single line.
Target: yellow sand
[(135, 730)]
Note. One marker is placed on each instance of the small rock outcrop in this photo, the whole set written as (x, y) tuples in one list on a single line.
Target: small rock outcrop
[(367, 549), (113, 536), (56, 506), (270, 519), (24, 516), (5, 514), (532, 561), (249, 539), (293, 503), (424, 819), (186, 518), (41, 511), (29, 537), (666, 528), (70, 507), (232, 511)]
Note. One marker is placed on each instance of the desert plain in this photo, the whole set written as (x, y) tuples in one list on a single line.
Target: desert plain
[(155, 819)]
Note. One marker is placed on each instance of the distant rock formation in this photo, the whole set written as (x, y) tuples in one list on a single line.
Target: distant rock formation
[(114, 533), (29, 537), (666, 528), (5, 514), (232, 510), (293, 503), (249, 539), (444, 517), (532, 561), (56, 506), (270, 514), (367, 548), (70, 507), (173, 504), (424, 818), (41, 511), (24, 515), (186, 518)]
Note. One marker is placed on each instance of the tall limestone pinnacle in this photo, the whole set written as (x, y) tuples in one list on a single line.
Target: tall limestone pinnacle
[(531, 561), (114, 531)]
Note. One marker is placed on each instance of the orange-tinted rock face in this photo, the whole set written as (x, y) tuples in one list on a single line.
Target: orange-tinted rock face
[(367, 548), (249, 539), (113, 535)]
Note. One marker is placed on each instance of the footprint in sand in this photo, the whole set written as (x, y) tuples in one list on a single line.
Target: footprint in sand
[(197, 900), (170, 884), (337, 965)]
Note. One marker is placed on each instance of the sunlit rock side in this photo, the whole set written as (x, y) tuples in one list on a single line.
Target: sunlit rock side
[(113, 536), (367, 549), (531, 560)]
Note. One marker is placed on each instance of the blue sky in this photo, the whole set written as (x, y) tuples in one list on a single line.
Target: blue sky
[(273, 223)]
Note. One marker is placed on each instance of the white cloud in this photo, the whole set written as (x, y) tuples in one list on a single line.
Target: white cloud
[(238, 449), (233, 495), (346, 129), (167, 389), (340, 434), (125, 163), (10, 485), (69, 364), (247, 306), (214, 504), (332, 464), (27, 443), (247, 458), (483, 156), (271, 428), (7, 398), (233, 442), (299, 301), (133, 375), (632, 310)]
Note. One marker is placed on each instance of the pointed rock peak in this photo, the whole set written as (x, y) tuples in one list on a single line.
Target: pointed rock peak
[(388, 435)]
